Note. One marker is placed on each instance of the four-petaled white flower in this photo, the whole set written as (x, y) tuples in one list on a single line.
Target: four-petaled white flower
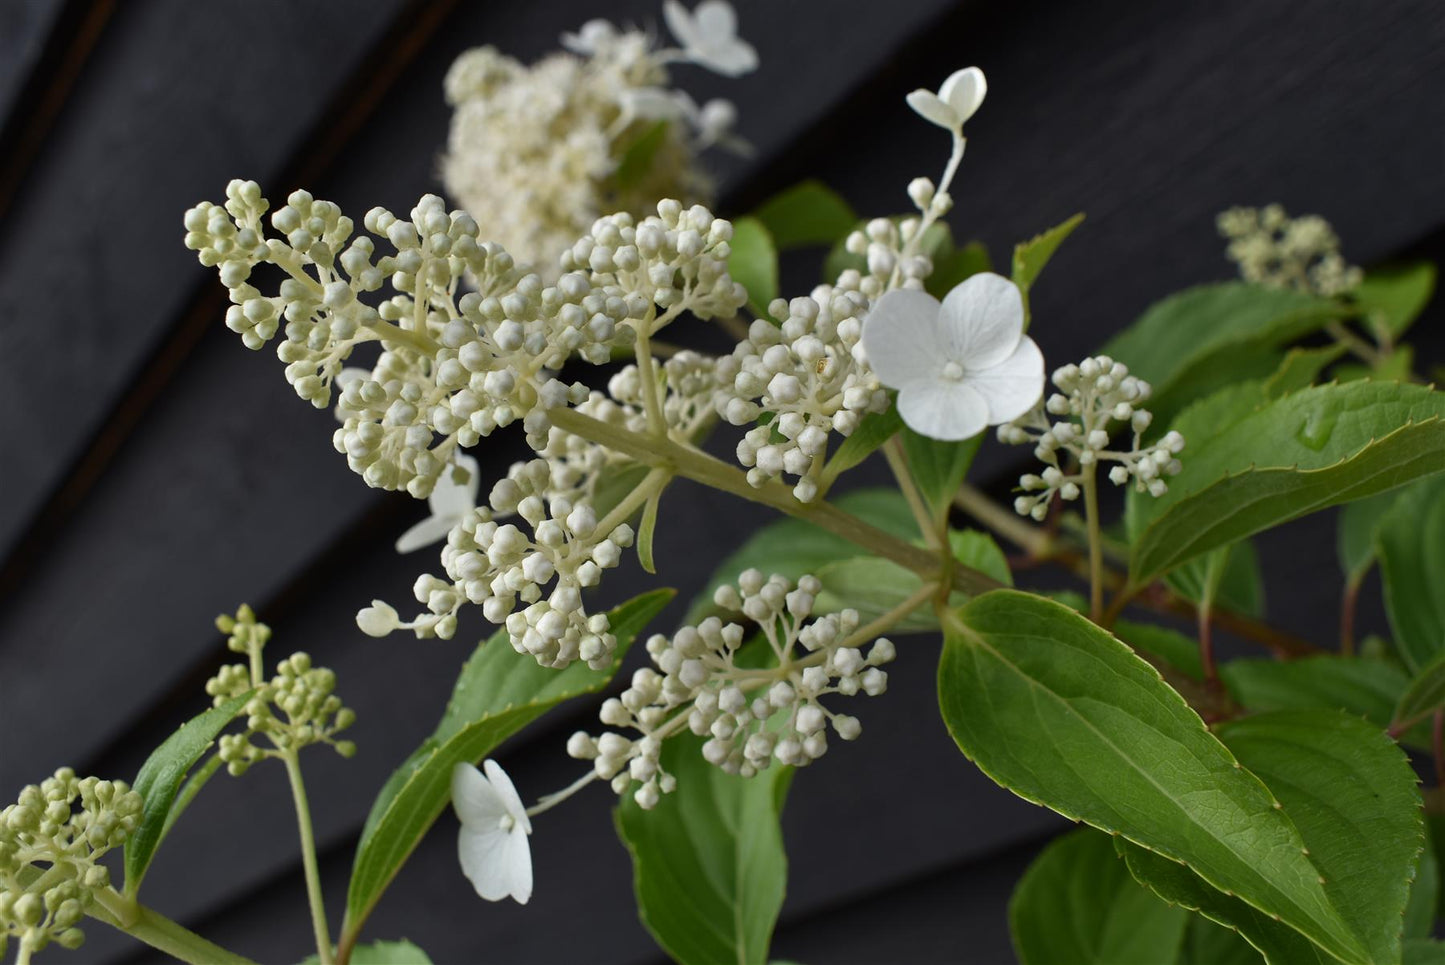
[(449, 502), (709, 36), (591, 37), (492, 845), (958, 366), (956, 101)]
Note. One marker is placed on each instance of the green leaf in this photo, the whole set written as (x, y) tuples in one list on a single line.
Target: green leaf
[(808, 213), (709, 869), (1355, 536), (1411, 544), (1351, 792), (954, 265), (1424, 696), (1059, 712), (1392, 298), (1300, 368), (160, 778), (1171, 646), (382, 953), (1398, 366), (873, 431), (1229, 577), (1175, 883), (1077, 903), (498, 692), (793, 547), (938, 467), (1204, 327), (1357, 685), (1207, 943), (1307, 451), (1423, 951), (636, 161), (873, 586), (1031, 256), (646, 530), (754, 263), (1424, 892)]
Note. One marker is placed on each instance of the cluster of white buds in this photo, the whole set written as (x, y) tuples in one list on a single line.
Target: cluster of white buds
[(304, 695), (1091, 395), (755, 705), (57, 831), (807, 374), (890, 249), (689, 385), (539, 152), (496, 565), (1273, 249)]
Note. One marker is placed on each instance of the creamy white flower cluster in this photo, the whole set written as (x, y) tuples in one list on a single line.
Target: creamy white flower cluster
[(297, 707), (1091, 395), (1273, 249), (59, 829), (496, 565), (750, 712), (807, 373), (537, 153), (891, 248)]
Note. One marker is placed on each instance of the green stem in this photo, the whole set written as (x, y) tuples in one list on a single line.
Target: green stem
[(160, 932), (927, 525), (22, 954), (651, 484), (700, 467), (1362, 349), (1096, 546), (308, 857)]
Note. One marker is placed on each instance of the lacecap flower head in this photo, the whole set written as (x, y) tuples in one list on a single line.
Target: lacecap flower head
[(960, 365)]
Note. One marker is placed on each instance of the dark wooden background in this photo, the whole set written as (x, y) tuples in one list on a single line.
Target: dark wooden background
[(154, 473)]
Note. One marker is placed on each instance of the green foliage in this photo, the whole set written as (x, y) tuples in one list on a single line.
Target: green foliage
[(1228, 577), (1208, 329), (498, 692), (1171, 646), (952, 265), (1411, 543), (1300, 368), (1206, 943), (1031, 256), (382, 953), (1355, 537), (1077, 903), (1307, 451), (1059, 712), (873, 431), (809, 213), (709, 869), (1424, 893), (1351, 792), (160, 778), (636, 161), (938, 467), (1392, 298), (646, 531), (1424, 696), (1358, 685), (754, 263), (794, 547)]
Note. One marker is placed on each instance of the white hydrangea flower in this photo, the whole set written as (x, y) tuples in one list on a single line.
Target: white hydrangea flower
[(449, 501), (956, 101), (958, 366), (492, 845), (709, 36)]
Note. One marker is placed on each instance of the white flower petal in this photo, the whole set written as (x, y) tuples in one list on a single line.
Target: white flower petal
[(927, 105), (476, 801), (680, 22), (431, 530), (1013, 386), (734, 59), (451, 498), (510, 798), (651, 104), (982, 321), (498, 863), (716, 20), (900, 337), (964, 92), (942, 409)]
